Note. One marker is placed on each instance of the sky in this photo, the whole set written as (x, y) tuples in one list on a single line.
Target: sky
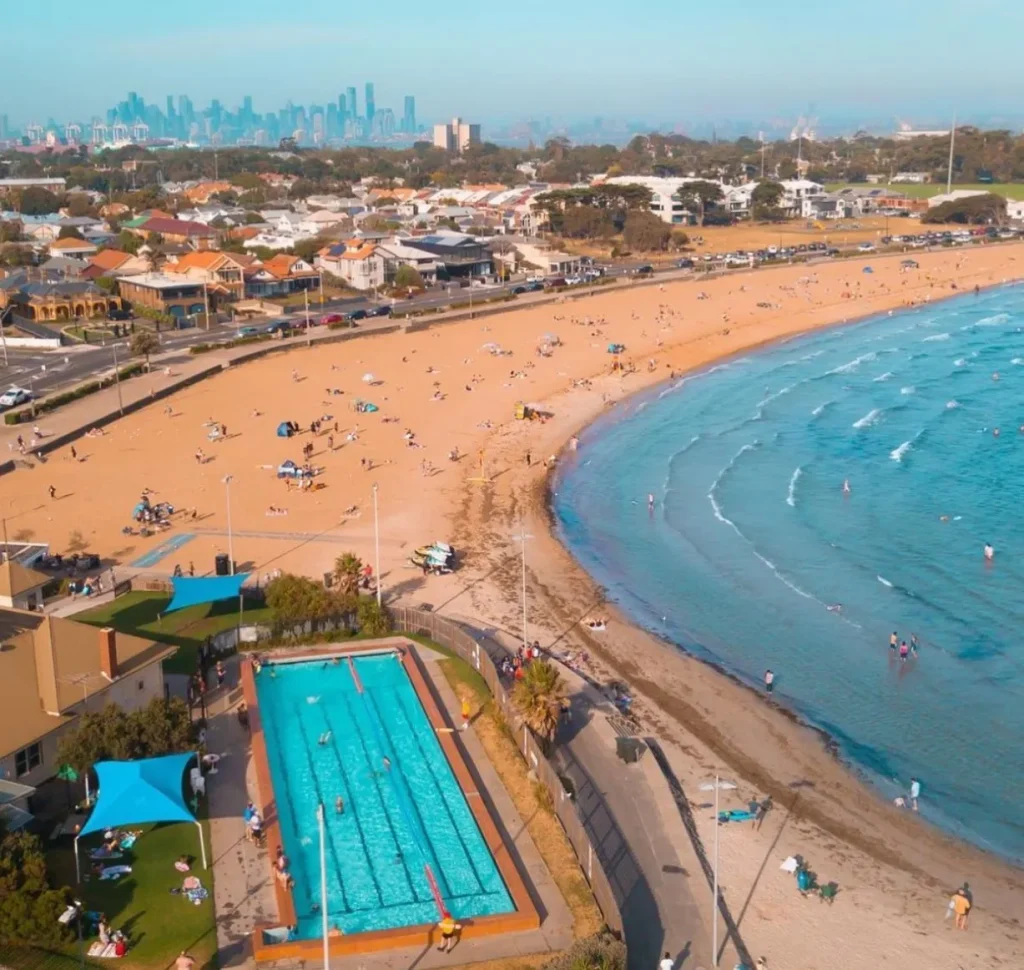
[(657, 59)]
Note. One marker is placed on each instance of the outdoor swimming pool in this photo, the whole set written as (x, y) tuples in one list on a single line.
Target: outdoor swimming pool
[(396, 821)]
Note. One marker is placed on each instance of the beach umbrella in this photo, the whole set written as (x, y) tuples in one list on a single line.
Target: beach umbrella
[(368, 378), (867, 269)]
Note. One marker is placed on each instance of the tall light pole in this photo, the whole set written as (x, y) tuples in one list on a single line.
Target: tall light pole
[(376, 541), (717, 785), (323, 884), (521, 538), (949, 170), (117, 380), (231, 551)]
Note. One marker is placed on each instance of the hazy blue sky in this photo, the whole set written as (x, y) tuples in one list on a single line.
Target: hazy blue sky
[(661, 59)]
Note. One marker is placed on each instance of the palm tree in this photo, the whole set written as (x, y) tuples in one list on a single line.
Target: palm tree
[(538, 697), (347, 568)]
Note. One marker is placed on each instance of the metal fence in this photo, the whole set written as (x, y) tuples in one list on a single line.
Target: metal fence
[(456, 639)]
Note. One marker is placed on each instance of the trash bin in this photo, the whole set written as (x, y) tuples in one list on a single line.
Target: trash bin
[(221, 564)]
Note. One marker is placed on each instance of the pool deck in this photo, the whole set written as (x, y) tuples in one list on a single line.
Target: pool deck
[(541, 921)]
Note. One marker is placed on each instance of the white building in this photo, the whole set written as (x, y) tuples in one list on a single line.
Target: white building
[(665, 202), (456, 136), (357, 262)]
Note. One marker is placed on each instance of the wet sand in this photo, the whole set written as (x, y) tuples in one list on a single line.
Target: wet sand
[(450, 389)]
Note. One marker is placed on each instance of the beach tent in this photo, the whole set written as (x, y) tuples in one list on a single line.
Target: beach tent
[(134, 792), (284, 430), (190, 590), (867, 269)]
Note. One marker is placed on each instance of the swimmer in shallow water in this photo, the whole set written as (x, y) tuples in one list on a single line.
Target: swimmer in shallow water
[(846, 486), (990, 553), (835, 608)]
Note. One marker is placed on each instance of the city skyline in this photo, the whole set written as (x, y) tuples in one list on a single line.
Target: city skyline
[(674, 62)]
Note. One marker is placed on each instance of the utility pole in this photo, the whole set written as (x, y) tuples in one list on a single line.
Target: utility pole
[(117, 381), (949, 171)]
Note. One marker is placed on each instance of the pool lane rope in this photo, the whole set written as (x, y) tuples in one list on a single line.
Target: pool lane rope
[(435, 890)]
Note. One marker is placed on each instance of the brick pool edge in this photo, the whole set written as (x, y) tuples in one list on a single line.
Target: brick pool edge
[(525, 917)]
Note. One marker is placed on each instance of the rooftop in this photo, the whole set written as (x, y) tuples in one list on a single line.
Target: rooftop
[(160, 281)]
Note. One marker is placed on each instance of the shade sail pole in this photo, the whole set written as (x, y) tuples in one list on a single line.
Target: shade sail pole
[(202, 843), (78, 872)]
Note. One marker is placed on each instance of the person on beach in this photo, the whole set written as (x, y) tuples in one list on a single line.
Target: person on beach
[(913, 644), (893, 642), (666, 962), (846, 486), (961, 909), (915, 793), (769, 681), (904, 651)]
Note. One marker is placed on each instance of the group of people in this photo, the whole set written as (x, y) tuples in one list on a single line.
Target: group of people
[(905, 650), (514, 666)]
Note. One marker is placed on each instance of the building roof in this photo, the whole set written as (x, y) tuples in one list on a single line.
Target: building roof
[(177, 227), (207, 259), (70, 244), (16, 579), (47, 664), (283, 265), (159, 281), (110, 259)]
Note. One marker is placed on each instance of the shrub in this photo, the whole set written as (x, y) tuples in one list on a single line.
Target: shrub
[(374, 620), (29, 906), (599, 952)]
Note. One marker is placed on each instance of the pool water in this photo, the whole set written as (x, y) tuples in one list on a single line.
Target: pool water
[(396, 821)]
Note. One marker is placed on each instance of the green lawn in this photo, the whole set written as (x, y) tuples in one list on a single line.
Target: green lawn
[(1013, 190), (138, 613), (32, 958), (159, 924)]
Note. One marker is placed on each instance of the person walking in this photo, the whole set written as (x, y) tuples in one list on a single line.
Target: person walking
[(465, 714), (220, 673), (666, 962), (915, 793), (961, 908), (769, 681), (52, 491)]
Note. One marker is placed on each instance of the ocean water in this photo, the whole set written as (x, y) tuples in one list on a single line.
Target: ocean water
[(395, 823), (752, 538)]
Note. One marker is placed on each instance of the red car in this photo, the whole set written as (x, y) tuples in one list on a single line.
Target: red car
[(331, 318)]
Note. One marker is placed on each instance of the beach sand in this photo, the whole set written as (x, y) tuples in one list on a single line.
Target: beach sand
[(457, 386)]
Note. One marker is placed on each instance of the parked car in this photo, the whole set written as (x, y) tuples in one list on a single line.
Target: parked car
[(384, 310), (249, 331), (866, 247), (518, 290), (14, 396), (645, 270), (557, 282), (329, 318), (685, 263), (278, 326), (359, 314), (122, 314), (535, 287)]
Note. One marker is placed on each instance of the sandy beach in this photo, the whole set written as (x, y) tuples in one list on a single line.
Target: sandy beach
[(456, 387)]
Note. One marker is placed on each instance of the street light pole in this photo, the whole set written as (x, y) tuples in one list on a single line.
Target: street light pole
[(522, 537), (718, 785), (376, 542), (231, 551), (117, 380)]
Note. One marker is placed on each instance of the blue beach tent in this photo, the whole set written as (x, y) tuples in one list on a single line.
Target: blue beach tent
[(284, 430), (134, 792)]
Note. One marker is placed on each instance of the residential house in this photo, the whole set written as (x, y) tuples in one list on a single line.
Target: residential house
[(267, 240), (223, 270), (358, 263), (40, 229), (665, 202), (457, 254), (911, 178), (113, 262), (62, 268), (55, 185), (280, 276), (199, 192), (53, 669), (72, 248), (547, 261), (185, 232), (54, 301), (21, 586), (798, 195), (399, 252), (170, 293)]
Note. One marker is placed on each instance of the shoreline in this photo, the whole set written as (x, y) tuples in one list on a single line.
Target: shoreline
[(848, 807)]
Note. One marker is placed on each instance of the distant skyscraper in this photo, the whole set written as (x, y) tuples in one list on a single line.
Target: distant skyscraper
[(371, 107), (215, 115), (342, 112), (353, 107), (247, 110), (3, 126), (409, 116)]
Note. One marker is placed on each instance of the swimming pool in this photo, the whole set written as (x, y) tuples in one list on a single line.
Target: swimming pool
[(396, 821)]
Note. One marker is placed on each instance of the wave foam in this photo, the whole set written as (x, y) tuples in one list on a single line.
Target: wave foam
[(1018, 361), (820, 408), (884, 581), (993, 321), (791, 496), (715, 507), (936, 337), (869, 419), (950, 405), (897, 453), (883, 377), (960, 362), (909, 389), (852, 365)]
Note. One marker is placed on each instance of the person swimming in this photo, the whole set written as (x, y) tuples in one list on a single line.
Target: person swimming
[(990, 553), (835, 608), (846, 486), (650, 502)]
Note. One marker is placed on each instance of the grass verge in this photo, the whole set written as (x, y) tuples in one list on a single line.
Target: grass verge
[(541, 822)]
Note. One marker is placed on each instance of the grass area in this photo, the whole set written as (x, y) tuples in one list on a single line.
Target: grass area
[(138, 613), (1012, 190), (530, 798), (33, 958), (90, 333), (159, 925)]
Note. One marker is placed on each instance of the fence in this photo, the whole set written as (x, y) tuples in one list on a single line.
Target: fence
[(451, 635)]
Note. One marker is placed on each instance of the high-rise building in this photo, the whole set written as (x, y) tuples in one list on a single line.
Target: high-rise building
[(371, 106), (384, 122), (353, 107), (246, 118), (409, 115), (342, 113), (456, 136), (3, 126), (215, 115)]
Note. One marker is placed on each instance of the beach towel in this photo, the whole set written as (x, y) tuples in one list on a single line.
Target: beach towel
[(790, 865), (114, 872), (101, 853), (103, 950), (737, 815), (128, 840)]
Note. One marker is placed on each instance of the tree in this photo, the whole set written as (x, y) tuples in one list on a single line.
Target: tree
[(408, 277), (986, 209), (680, 239), (764, 201), (161, 727), (585, 222), (69, 232), (107, 283), (347, 569), (128, 242), (373, 620), (143, 343), (79, 204), (295, 599), (645, 232), (538, 698), (786, 169), (35, 201), (699, 196), (308, 248), (29, 906)]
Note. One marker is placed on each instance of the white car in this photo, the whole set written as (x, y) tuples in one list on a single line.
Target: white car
[(14, 396), (866, 247)]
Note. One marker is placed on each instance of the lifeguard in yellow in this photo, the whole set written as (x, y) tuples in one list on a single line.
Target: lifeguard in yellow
[(448, 928)]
